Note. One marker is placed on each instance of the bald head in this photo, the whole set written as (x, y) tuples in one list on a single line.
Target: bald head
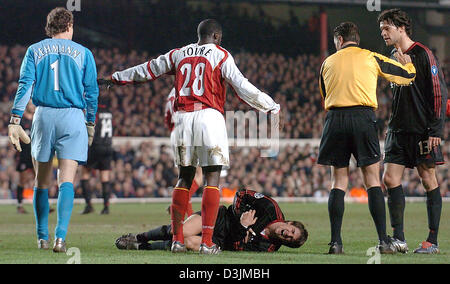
[(209, 31)]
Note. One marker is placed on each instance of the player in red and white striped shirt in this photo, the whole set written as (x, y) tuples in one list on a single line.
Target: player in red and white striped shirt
[(202, 71)]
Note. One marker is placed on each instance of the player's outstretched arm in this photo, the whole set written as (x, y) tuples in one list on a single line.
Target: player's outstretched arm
[(394, 71), (246, 90), (144, 72)]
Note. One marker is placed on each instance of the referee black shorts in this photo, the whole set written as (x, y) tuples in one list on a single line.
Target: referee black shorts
[(347, 131)]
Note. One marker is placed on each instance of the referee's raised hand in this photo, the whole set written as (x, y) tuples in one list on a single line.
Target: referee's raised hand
[(401, 57)]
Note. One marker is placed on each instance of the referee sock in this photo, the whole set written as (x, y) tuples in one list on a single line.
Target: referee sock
[(210, 206), (106, 191), (86, 191), (378, 211), (41, 210), (396, 204), (180, 199), (434, 209), (336, 208), (65, 206)]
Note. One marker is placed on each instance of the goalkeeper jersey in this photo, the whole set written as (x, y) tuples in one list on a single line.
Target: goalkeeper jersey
[(58, 73)]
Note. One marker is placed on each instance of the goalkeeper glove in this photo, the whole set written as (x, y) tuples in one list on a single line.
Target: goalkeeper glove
[(16, 133), (90, 126)]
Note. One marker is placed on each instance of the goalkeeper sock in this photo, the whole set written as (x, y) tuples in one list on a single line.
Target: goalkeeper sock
[(377, 209), (434, 209), (396, 204), (180, 199), (65, 206), (41, 208), (336, 208), (210, 206)]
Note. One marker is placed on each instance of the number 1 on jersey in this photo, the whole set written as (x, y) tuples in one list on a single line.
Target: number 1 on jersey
[(55, 67), (197, 86)]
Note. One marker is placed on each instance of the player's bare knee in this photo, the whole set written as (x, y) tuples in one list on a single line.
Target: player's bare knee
[(390, 180), (429, 182), (428, 177)]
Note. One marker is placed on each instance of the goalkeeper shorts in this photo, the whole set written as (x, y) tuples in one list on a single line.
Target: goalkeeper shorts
[(61, 131)]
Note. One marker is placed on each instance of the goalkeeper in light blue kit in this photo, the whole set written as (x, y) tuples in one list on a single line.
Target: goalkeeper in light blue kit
[(61, 78)]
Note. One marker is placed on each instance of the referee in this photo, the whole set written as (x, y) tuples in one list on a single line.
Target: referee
[(347, 83)]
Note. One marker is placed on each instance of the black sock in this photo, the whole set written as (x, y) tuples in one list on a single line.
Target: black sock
[(336, 212), (106, 190), (396, 204), (160, 233), (378, 210), (434, 209), (162, 245), (19, 195), (86, 191)]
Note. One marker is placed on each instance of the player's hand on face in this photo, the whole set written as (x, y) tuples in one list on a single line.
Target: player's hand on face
[(401, 57), (434, 142), (248, 218)]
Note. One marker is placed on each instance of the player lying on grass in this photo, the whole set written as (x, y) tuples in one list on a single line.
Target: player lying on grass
[(254, 222)]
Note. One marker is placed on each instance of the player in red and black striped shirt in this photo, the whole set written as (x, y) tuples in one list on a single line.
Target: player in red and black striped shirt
[(415, 129), (254, 222)]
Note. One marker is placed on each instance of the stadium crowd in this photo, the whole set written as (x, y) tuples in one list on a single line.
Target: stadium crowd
[(138, 110)]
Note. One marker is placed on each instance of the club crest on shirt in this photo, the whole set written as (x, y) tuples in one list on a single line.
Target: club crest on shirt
[(434, 70), (258, 195)]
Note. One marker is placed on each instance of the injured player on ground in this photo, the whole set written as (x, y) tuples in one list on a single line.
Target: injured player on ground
[(254, 222)]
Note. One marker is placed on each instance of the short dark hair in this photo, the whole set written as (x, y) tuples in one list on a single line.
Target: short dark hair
[(58, 21), (208, 27), (398, 18), (348, 31), (303, 235)]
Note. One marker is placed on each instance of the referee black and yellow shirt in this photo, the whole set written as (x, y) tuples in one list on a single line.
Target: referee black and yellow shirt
[(349, 77)]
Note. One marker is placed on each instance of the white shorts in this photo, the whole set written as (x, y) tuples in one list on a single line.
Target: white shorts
[(200, 139)]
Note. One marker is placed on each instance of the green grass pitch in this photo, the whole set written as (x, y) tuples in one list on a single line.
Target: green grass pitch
[(94, 236)]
